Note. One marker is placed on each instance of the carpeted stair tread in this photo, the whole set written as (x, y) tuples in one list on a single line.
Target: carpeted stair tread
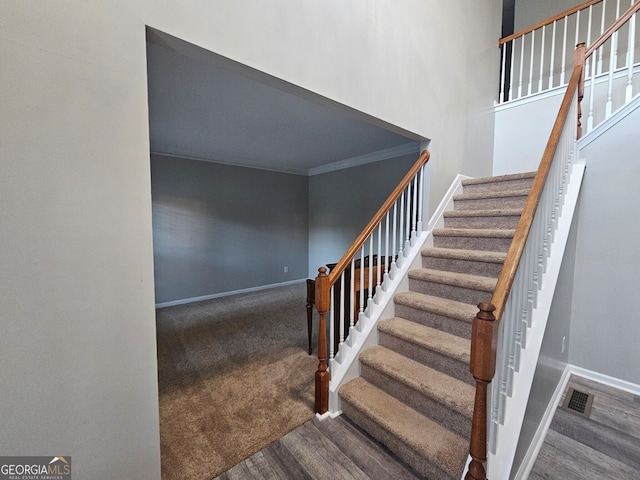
[(474, 232), (452, 346), (464, 280), (491, 194), (415, 438), (499, 178), (444, 389), (460, 254), (441, 306), (507, 212)]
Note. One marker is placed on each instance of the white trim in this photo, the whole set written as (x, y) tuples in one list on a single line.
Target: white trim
[(604, 126), (377, 156), (614, 382), (184, 301), (538, 438)]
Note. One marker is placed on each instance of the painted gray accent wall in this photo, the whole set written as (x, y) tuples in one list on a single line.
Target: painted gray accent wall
[(220, 228), (342, 202), (605, 332)]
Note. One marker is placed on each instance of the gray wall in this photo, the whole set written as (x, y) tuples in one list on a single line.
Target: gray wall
[(605, 332), (78, 354), (341, 203), (219, 228)]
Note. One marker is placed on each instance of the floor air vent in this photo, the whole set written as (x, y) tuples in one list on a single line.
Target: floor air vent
[(578, 402)]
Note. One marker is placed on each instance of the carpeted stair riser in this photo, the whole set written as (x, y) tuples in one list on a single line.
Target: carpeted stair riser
[(454, 326), (486, 268), (498, 241), (496, 184), (483, 219), (463, 291), (427, 406), (436, 360), (490, 200)]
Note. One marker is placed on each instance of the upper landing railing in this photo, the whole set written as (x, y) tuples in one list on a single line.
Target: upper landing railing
[(539, 59)]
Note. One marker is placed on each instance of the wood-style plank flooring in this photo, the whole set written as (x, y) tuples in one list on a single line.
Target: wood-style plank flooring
[(329, 449), (604, 446)]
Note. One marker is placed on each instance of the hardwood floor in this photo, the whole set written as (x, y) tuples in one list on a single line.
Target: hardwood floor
[(606, 445), (329, 449)]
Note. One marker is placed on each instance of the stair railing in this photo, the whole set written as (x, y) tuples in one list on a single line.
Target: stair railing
[(537, 59), (601, 88), (495, 349), (348, 292)]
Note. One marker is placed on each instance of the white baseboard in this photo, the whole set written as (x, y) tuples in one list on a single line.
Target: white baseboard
[(605, 379), (184, 301)]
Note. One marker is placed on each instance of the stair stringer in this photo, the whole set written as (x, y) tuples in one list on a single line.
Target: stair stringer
[(503, 435), (346, 365)]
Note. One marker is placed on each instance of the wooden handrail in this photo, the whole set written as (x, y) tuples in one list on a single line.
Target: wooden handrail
[(548, 21), (514, 254), (345, 261), (624, 18)]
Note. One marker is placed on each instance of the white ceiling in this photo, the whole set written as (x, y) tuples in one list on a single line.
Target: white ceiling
[(204, 106)]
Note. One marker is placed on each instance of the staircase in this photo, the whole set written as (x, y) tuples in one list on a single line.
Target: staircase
[(415, 393)]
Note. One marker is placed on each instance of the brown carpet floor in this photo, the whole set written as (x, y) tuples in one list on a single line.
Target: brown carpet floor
[(234, 375)]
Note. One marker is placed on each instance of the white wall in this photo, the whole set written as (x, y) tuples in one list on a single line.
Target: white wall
[(76, 284), (522, 132), (605, 332)]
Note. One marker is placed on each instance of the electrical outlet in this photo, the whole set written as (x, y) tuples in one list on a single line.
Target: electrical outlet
[(286, 269)]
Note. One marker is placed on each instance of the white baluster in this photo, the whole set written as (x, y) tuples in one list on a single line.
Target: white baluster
[(407, 242), (533, 44), (352, 303), (630, 58), (361, 310), (414, 210), (601, 52), (586, 65), (592, 87), (541, 58), (370, 278), (612, 66), (341, 317), (615, 34), (553, 55), (503, 60), (521, 66), (387, 263), (394, 239), (420, 199), (379, 267), (401, 232), (332, 327), (564, 51), (511, 94)]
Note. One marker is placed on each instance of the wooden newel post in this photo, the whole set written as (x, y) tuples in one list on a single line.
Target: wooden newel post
[(483, 367), (323, 303), (579, 59)]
